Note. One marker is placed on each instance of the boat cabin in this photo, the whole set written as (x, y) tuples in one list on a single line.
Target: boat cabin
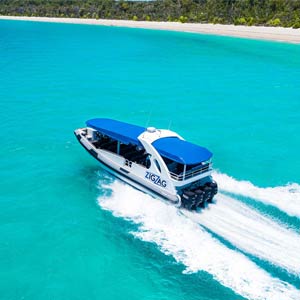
[(181, 159)]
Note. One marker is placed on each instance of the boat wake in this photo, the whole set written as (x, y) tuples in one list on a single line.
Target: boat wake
[(252, 232), (179, 234), (286, 198)]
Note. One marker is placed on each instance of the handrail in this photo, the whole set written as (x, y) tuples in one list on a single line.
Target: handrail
[(191, 173)]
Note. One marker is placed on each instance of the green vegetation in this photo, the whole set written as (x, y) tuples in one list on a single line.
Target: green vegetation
[(183, 19), (274, 22), (240, 12), (240, 21)]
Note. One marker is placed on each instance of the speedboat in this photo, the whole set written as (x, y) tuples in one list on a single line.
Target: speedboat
[(156, 161)]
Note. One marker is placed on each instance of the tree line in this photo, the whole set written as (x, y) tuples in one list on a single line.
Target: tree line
[(240, 12)]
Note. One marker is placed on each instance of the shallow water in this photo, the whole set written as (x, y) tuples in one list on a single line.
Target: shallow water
[(69, 230)]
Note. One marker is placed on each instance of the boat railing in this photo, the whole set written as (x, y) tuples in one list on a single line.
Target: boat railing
[(191, 173)]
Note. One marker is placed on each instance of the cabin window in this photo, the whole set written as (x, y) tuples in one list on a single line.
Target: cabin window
[(148, 161), (173, 166), (157, 165)]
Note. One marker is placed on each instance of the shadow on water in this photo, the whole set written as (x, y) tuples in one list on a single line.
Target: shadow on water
[(89, 172), (267, 210)]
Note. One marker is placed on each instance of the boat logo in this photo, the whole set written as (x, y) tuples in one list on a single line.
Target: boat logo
[(155, 179)]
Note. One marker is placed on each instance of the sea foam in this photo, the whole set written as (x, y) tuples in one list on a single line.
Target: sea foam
[(286, 198), (251, 232), (177, 235)]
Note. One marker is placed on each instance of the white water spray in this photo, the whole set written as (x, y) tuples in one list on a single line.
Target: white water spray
[(286, 198), (189, 244), (252, 232)]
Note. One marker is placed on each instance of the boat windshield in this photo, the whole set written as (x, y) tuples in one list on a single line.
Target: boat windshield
[(173, 166), (181, 172)]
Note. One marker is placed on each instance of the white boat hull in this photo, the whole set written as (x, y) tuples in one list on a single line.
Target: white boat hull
[(145, 187), (190, 189)]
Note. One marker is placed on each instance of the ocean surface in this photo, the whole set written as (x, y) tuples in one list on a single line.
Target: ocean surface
[(68, 230)]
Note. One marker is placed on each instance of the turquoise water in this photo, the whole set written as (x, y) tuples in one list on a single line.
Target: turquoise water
[(70, 231)]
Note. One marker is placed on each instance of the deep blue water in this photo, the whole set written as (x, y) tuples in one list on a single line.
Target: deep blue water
[(70, 231)]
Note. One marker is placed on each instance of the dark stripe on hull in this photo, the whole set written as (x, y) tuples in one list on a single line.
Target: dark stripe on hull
[(78, 136), (125, 171), (94, 153)]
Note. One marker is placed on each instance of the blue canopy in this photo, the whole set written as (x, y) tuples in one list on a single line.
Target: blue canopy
[(181, 151), (123, 132)]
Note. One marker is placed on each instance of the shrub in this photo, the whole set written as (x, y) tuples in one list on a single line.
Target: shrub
[(274, 22), (135, 18), (296, 24), (250, 21), (217, 20), (183, 19), (240, 21), (148, 18), (125, 6)]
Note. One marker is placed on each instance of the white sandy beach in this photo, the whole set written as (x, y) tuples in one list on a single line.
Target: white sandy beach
[(279, 34)]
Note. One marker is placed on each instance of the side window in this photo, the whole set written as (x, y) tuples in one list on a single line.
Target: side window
[(148, 161), (157, 165)]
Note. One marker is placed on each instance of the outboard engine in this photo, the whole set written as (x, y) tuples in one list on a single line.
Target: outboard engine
[(207, 193), (189, 199), (200, 198), (214, 189), (197, 197)]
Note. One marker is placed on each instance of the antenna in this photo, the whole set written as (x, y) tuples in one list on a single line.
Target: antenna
[(149, 117)]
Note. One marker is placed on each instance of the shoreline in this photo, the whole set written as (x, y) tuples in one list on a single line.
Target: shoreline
[(278, 34)]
